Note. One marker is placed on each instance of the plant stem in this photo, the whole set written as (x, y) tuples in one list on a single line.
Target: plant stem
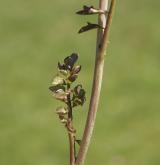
[(71, 131), (102, 43), (72, 148)]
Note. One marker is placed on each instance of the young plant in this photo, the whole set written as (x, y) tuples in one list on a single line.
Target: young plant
[(74, 96)]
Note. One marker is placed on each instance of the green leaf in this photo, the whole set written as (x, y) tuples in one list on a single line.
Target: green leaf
[(62, 119), (62, 96), (77, 89), (59, 92), (78, 96), (58, 81), (57, 88), (77, 102), (81, 93), (64, 72), (61, 110)]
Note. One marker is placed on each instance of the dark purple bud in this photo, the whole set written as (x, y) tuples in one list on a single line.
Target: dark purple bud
[(73, 77), (70, 60), (76, 69)]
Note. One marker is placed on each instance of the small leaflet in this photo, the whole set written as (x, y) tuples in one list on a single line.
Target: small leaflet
[(89, 10), (89, 26)]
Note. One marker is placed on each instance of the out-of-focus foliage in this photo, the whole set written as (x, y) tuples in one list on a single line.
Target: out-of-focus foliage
[(34, 35)]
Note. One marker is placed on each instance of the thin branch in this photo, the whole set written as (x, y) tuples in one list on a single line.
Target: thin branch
[(102, 40), (72, 148), (71, 131)]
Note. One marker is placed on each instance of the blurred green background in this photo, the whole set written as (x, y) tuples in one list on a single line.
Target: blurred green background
[(34, 36)]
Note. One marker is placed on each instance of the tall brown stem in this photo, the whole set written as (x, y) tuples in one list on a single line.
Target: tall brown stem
[(102, 39)]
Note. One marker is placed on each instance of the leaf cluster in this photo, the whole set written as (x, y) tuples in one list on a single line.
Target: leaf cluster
[(61, 87)]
